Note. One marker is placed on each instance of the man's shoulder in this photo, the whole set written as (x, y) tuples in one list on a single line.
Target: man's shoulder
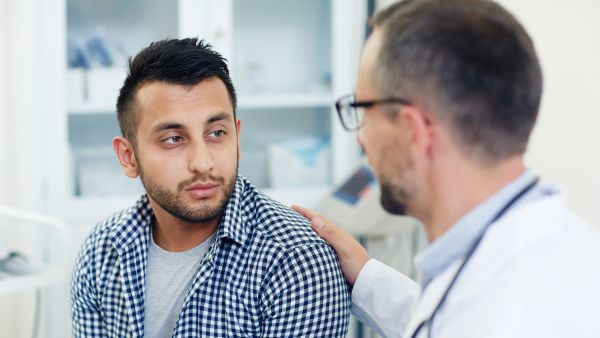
[(276, 223), (282, 225), (118, 225)]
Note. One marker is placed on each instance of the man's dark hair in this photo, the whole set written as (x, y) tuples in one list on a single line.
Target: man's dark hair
[(471, 63), (185, 62)]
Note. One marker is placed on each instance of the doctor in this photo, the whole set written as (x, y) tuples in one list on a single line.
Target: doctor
[(447, 94)]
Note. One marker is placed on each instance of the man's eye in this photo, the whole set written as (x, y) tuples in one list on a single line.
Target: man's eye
[(173, 140), (217, 133)]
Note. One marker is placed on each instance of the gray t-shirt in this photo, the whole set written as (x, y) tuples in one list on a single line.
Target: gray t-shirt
[(168, 279)]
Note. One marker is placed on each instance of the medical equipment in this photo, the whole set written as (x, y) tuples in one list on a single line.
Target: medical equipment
[(355, 206), (16, 264), (3, 248), (19, 274)]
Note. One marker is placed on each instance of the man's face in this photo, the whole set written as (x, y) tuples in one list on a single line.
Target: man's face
[(187, 147), (381, 136)]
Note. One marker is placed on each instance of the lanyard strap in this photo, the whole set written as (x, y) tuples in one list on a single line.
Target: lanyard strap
[(469, 254)]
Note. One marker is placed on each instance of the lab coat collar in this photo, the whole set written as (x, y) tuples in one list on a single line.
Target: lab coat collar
[(539, 216), (455, 243)]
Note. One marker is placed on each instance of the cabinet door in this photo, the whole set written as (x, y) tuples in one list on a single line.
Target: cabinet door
[(282, 69), (101, 36), (289, 60)]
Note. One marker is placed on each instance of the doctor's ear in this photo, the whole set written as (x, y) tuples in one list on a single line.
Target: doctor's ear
[(124, 151), (419, 127)]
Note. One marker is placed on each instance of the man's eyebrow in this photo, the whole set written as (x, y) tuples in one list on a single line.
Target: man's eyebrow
[(218, 117), (167, 126), (175, 125)]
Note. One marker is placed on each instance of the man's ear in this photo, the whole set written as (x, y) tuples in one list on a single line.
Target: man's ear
[(238, 128), (124, 151)]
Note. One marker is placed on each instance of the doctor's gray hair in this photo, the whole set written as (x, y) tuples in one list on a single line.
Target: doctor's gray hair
[(471, 64)]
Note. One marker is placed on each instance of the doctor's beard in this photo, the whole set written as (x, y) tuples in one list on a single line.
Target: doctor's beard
[(394, 179), (390, 201)]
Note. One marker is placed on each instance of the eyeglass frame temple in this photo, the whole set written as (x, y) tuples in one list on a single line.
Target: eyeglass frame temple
[(364, 104)]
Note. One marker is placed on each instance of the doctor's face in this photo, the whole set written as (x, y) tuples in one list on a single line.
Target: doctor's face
[(382, 138), (187, 147)]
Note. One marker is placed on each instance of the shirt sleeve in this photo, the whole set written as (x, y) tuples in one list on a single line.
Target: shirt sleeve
[(306, 296), (383, 298), (86, 315)]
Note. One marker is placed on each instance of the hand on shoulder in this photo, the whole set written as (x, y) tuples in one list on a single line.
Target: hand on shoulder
[(352, 256)]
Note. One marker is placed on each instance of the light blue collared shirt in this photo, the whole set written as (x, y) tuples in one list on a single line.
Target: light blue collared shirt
[(455, 243)]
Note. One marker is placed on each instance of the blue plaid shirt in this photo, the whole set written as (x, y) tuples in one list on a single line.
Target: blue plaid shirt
[(266, 275)]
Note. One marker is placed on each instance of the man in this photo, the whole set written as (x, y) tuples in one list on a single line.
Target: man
[(202, 253), (447, 95)]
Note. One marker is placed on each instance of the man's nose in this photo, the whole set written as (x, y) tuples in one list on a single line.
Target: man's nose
[(200, 158)]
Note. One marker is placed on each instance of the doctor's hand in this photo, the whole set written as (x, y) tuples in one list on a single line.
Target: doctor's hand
[(351, 254)]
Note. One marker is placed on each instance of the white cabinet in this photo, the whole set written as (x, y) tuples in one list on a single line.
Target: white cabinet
[(289, 60)]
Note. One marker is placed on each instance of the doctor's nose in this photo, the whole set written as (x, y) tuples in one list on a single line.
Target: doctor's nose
[(359, 138)]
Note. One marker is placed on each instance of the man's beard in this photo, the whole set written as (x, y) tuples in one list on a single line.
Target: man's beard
[(171, 202)]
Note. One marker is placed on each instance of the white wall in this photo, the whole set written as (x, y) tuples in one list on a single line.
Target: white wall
[(3, 101), (20, 167), (20, 107), (565, 145), (6, 316)]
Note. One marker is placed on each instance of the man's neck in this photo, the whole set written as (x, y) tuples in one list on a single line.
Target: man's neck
[(175, 235), (458, 191)]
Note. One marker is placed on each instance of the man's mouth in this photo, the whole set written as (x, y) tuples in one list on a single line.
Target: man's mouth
[(203, 190)]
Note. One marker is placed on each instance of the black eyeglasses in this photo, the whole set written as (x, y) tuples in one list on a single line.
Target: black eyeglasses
[(351, 112)]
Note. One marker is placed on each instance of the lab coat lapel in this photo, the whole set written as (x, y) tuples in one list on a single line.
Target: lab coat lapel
[(430, 298)]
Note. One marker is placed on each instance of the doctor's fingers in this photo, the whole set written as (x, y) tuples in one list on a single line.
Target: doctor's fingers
[(318, 222), (307, 213), (351, 254)]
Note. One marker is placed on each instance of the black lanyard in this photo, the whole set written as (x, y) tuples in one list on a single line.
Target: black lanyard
[(429, 322)]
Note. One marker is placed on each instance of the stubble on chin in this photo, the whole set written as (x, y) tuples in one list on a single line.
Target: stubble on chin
[(174, 203)]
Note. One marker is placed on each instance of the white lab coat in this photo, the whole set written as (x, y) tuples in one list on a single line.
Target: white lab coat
[(536, 273)]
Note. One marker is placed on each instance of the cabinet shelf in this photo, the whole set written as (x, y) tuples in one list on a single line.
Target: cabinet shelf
[(84, 108), (259, 101), (291, 100)]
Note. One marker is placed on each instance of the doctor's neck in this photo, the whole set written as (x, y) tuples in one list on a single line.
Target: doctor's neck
[(454, 192)]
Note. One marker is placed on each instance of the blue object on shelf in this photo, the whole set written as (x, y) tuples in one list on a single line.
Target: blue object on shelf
[(76, 56), (99, 51)]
